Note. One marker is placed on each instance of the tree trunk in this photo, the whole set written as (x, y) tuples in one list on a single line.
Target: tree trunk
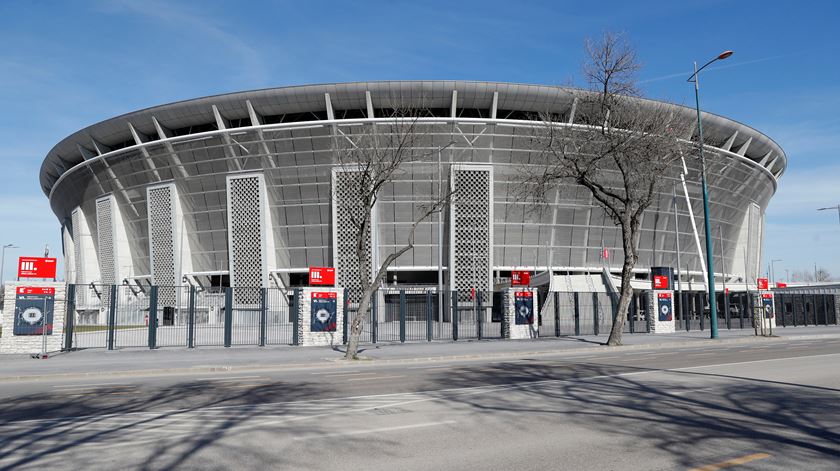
[(628, 236), (358, 324)]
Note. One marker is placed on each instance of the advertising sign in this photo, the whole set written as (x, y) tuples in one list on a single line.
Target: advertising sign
[(33, 310), (779, 284), (661, 282), (762, 283), (323, 312), (666, 311), (767, 303), (523, 305), (321, 276), (520, 278), (36, 267)]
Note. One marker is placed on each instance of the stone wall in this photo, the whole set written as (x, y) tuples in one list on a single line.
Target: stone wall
[(305, 335), (511, 329), (10, 343)]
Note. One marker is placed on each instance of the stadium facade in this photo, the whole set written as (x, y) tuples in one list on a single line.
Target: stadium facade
[(239, 190)]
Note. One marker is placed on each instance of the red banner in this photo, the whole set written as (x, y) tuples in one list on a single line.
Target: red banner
[(35, 290), (779, 284), (661, 282), (36, 267), (520, 278), (522, 294), (322, 276), (324, 295), (762, 283), (663, 295), (767, 296)]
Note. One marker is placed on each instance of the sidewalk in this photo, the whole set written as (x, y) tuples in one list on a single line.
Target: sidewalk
[(99, 362)]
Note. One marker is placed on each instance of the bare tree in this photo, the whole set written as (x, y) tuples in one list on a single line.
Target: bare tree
[(620, 147), (807, 276), (370, 157)]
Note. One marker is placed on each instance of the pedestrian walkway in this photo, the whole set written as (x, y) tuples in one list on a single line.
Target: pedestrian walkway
[(174, 360)]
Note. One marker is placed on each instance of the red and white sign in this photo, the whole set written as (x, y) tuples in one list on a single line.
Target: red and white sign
[(605, 254), (522, 294), (36, 267), (34, 290), (324, 295), (779, 284), (661, 282), (767, 296), (322, 276), (663, 295), (520, 278), (762, 283)]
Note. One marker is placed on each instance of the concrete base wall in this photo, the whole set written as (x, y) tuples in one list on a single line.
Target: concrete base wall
[(657, 326), (305, 335), (519, 331), (10, 343)]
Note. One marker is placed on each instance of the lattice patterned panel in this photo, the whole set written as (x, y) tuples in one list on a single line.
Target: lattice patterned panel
[(105, 240), (753, 243), (346, 204), (77, 246), (471, 229), (245, 229), (161, 212)]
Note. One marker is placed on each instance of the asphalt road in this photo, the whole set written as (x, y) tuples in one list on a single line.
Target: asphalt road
[(773, 405)]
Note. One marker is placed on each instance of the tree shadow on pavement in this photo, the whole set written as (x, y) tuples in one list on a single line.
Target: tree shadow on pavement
[(693, 416)]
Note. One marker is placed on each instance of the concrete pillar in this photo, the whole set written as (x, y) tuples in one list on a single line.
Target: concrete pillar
[(23, 305), (520, 313), (661, 319)]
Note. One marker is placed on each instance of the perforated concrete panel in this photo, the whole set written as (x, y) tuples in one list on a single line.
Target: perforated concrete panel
[(247, 233), (162, 243), (471, 228), (347, 210)]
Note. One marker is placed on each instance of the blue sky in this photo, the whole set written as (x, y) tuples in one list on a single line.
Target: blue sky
[(65, 65)]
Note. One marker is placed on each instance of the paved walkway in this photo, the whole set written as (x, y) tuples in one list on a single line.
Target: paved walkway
[(97, 362)]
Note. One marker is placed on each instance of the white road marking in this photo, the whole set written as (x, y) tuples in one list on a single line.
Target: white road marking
[(232, 378), (376, 430), (334, 373), (430, 367), (90, 385), (376, 378)]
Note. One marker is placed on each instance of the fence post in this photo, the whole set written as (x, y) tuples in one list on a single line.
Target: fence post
[(112, 315), (577, 313), (429, 314), (374, 327), (69, 316), (632, 310), (346, 318), (153, 318), (703, 302), (726, 310), (402, 316), (263, 309), (191, 319), (228, 316), (646, 304), (454, 296), (595, 318), (556, 314), (479, 314), (296, 317)]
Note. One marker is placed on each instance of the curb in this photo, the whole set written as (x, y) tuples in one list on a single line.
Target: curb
[(370, 361)]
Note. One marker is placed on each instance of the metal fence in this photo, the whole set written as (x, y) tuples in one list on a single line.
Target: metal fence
[(123, 316)]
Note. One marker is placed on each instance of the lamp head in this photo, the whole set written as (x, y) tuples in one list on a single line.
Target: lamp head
[(724, 55)]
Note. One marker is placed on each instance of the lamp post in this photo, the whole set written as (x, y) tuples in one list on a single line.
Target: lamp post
[(832, 207), (709, 254), (773, 268), (3, 261)]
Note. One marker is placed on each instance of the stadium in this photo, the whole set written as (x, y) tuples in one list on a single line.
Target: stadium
[(238, 190)]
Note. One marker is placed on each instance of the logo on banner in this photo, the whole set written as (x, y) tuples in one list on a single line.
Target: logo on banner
[(322, 276), (762, 283), (520, 278), (523, 306), (36, 267), (323, 312), (666, 312)]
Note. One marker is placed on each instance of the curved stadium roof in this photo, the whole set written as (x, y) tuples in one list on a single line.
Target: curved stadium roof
[(350, 100)]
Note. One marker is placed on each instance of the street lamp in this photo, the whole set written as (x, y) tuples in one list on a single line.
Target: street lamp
[(832, 207), (3, 261), (709, 254), (773, 268)]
